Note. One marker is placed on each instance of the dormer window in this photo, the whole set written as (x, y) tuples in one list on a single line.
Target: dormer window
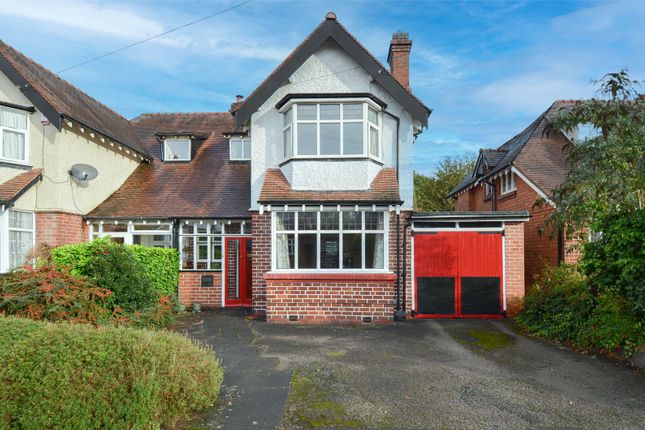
[(176, 149), (240, 149), (328, 129)]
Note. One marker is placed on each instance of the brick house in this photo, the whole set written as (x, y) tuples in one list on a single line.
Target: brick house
[(296, 203), (515, 176)]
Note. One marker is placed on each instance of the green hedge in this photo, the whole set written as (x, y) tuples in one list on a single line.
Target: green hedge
[(76, 376), (161, 266)]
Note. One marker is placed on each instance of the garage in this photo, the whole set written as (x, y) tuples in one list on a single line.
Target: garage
[(460, 263)]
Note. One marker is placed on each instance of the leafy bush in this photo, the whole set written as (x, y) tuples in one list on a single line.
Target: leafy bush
[(111, 266), (52, 294), (162, 267), (79, 376)]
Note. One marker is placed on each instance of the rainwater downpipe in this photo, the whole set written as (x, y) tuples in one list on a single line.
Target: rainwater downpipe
[(405, 266)]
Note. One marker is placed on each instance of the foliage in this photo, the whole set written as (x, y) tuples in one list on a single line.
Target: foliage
[(607, 170), (162, 266), (615, 262), (52, 294), (560, 306), (111, 266), (79, 376), (431, 192)]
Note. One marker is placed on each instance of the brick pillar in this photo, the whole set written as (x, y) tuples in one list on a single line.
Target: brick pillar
[(514, 264), (261, 249)]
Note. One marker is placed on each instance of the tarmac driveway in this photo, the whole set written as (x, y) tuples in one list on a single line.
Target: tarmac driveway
[(422, 374)]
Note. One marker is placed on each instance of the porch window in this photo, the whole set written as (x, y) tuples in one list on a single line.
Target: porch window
[(329, 129), (150, 234), (176, 149), (200, 245), (240, 149), (13, 135), (21, 237), (330, 241), (508, 182)]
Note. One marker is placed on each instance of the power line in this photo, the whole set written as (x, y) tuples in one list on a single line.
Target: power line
[(188, 24)]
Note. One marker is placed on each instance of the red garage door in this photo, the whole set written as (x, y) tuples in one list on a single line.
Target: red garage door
[(458, 274)]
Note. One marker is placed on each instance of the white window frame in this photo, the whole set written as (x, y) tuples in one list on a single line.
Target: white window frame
[(318, 231), (25, 161), (243, 141), (165, 149), (97, 230), (210, 240), (367, 125), (508, 182), (5, 261)]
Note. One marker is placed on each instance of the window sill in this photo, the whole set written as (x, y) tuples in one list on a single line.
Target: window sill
[(507, 196), (325, 277), (12, 164), (333, 158)]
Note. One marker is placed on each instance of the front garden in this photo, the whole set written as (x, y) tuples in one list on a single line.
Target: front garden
[(82, 343)]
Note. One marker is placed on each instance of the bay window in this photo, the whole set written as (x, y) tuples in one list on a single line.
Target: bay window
[(332, 129), (329, 240), (13, 134)]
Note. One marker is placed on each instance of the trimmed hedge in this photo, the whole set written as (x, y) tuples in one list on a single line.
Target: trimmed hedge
[(161, 266), (76, 376)]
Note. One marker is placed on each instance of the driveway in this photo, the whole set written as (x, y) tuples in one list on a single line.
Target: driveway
[(426, 374)]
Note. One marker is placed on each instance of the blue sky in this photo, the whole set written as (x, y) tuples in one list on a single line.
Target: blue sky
[(487, 69)]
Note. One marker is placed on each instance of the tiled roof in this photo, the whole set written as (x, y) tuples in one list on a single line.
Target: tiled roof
[(208, 186), (276, 189), (13, 188), (57, 97), (541, 160)]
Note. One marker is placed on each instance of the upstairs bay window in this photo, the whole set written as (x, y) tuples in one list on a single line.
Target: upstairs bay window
[(13, 135), (330, 241), (176, 149), (351, 129)]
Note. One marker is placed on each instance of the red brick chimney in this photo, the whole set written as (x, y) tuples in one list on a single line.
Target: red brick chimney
[(399, 58)]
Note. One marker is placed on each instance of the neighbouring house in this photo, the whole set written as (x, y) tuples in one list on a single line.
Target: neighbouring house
[(516, 176), (296, 203)]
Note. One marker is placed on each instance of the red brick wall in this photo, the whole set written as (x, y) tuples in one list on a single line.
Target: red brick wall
[(514, 265), (60, 228), (261, 249), (329, 298), (191, 291)]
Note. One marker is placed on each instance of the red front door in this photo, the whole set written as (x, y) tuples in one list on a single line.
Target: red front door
[(237, 271), (458, 274)]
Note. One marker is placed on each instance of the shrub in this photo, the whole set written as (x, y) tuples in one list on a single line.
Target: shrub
[(79, 376), (111, 266), (52, 294), (162, 267)]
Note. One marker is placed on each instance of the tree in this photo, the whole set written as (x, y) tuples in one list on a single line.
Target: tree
[(607, 170), (431, 192)]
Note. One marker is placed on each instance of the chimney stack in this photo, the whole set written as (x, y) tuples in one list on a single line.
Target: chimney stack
[(399, 58), (239, 100)]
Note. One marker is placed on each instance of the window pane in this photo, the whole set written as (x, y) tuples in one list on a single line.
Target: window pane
[(372, 115), (201, 229), (374, 142), (202, 252), (177, 149), (353, 111), (187, 253), (288, 143), (248, 228), (329, 139), (287, 118), (352, 220), (307, 251), (151, 227), (329, 220), (329, 248), (353, 138), (374, 251), (373, 220), (20, 244), (24, 220), (187, 229), (307, 220), (285, 221), (352, 251), (306, 112), (9, 118), (237, 149), (115, 228), (153, 240), (247, 148), (13, 145), (216, 228), (306, 139), (329, 112), (285, 250)]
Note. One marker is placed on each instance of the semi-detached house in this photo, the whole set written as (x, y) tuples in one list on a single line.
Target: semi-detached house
[(296, 203)]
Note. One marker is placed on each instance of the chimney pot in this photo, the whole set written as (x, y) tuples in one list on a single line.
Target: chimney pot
[(239, 98), (398, 57), (330, 15)]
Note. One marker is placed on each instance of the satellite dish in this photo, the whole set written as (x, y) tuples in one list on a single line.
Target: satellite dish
[(83, 172)]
